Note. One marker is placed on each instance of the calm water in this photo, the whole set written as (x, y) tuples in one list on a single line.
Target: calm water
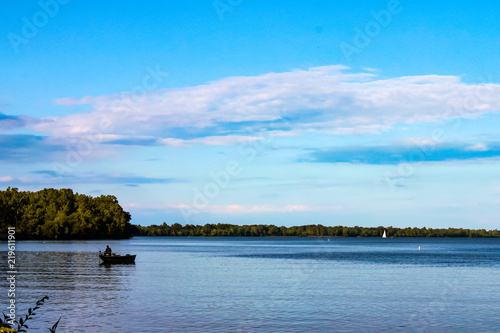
[(264, 285)]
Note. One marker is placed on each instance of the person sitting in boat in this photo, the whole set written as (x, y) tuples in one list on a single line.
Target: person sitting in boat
[(107, 252)]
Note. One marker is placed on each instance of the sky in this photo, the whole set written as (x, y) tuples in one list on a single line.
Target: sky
[(348, 113)]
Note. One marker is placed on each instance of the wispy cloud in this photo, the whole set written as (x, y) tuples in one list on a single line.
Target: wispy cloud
[(234, 110), (245, 209), (48, 173), (395, 154), (9, 123), (118, 179), (27, 148), (223, 140), (329, 99), (128, 180), (238, 209), (478, 147)]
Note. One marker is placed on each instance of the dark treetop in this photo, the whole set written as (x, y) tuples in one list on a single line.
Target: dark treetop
[(62, 214)]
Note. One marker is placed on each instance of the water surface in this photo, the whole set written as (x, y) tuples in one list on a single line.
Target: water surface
[(264, 285)]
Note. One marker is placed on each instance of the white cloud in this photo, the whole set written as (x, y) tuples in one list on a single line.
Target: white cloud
[(246, 209), (6, 179), (342, 103), (236, 209), (420, 141), (356, 129), (217, 140), (226, 140), (479, 147)]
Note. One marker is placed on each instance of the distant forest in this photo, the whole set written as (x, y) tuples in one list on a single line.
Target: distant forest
[(312, 230), (62, 214)]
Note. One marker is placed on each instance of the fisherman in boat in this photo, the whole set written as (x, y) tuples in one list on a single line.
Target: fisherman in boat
[(107, 252)]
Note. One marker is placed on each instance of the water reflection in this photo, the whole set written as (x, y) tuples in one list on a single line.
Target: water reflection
[(78, 286)]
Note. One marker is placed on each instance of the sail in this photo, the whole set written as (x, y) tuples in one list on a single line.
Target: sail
[(384, 235)]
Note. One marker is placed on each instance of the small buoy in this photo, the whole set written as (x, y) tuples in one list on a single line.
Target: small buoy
[(419, 248)]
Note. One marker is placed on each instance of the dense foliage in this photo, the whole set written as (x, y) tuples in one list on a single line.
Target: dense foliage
[(62, 214), (304, 231)]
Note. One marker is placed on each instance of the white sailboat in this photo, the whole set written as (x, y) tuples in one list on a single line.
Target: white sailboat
[(384, 235)]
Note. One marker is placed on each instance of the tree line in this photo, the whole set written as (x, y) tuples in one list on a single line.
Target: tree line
[(62, 214), (312, 230)]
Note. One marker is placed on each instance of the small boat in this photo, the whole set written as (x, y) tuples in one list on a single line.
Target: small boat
[(384, 235), (117, 259)]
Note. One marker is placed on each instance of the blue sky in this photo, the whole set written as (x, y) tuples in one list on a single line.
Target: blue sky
[(333, 112)]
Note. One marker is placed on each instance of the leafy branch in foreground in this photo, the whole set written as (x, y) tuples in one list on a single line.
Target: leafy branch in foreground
[(6, 324)]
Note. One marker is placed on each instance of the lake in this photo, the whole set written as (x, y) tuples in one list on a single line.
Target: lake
[(263, 285)]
